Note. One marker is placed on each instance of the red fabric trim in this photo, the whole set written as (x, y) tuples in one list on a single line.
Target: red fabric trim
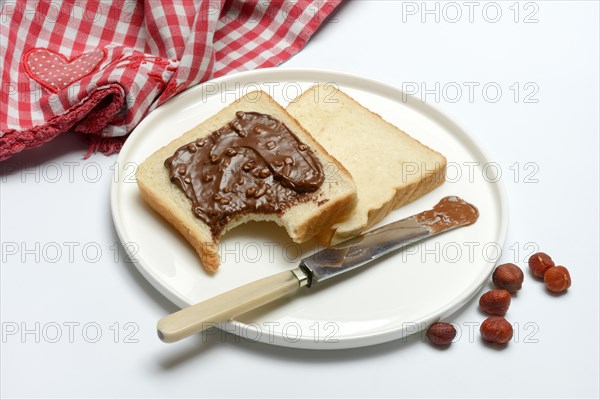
[(15, 141)]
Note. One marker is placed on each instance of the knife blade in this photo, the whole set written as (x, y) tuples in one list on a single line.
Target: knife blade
[(449, 213)]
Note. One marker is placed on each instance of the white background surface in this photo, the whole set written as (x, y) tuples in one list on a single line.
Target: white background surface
[(555, 352)]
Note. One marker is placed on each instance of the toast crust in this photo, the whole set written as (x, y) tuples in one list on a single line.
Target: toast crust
[(206, 250)]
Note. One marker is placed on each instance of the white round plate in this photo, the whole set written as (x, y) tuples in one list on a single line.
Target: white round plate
[(396, 296)]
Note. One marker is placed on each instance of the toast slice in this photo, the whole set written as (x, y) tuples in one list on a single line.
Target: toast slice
[(304, 216), (389, 167)]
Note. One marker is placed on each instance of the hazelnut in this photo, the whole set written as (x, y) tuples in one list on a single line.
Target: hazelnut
[(236, 126), (495, 302), (508, 277), (260, 191), (264, 173), (496, 330), (441, 333), (539, 263), (557, 279), (248, 166)]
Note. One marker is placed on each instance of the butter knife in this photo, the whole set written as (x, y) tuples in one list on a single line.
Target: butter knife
[(451, 212)]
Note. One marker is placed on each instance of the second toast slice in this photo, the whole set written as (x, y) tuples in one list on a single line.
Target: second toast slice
[(390, 167)]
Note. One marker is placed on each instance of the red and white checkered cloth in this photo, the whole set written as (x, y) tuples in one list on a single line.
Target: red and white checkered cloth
[(98, 67)]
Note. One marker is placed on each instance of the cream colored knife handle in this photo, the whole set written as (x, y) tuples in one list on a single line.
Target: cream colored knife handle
[(228, 305)]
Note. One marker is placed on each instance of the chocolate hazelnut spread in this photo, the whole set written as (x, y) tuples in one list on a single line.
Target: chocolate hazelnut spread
[(253, 164), (451, 211)]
